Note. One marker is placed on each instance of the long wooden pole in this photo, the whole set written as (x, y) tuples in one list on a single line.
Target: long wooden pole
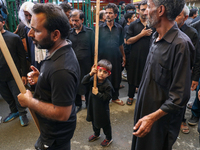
[(15, 74), (96, 40)]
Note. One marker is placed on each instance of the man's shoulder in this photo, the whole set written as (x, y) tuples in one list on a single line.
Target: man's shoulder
[(10, 35), (88, 29)]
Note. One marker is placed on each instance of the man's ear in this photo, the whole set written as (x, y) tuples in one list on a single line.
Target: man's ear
[(82, 20), (56, 35), (161, 10), (186, 17), (115, 15)]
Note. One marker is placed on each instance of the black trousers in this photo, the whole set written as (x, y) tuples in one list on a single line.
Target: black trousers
[(131, 90), (115, 94), (106, 130), (65, 145)]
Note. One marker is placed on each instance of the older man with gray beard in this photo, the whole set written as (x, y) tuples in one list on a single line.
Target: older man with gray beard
[(165, 85)]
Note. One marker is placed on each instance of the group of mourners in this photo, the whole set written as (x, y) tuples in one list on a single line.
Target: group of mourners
[(155, 45)]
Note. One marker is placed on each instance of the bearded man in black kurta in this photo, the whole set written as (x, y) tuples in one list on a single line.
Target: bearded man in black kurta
[(138, 36), (83, 45), (110, 47), (166, 80)]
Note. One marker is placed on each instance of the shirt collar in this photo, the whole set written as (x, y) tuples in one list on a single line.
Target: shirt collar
[(170, 35), (105, 24), (82, 30), (59, 51)]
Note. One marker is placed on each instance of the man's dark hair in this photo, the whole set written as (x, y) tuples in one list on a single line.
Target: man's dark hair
[(128, 15), (144, 2), (113, 6), (76, 12), (193, 11), (129, 6), (55, 18), (105, 63), (65, 6), (101, 13), (172, 7)]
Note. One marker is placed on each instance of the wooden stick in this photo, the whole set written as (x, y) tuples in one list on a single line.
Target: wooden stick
[(15, 74), (96, 40)]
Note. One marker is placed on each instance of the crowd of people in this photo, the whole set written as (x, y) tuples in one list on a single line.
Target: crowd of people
[(156, 43)]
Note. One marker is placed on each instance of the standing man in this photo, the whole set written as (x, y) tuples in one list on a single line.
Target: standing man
[(137, 34), (166, 80), (110, 47), (82, 39), (35, 55), (57, 82), (193, 35), (102, 16), (8, 87), (192, 15)]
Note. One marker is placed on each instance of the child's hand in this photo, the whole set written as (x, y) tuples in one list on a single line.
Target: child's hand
[(93, 70), (95, 90), (199, 95)]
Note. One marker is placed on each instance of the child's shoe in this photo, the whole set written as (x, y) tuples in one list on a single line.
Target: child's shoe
[(106, 142), (93, 138)]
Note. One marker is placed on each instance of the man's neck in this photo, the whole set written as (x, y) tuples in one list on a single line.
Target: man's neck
[(58, 44), (79, 30), (143, 21), (163, 27), (110, 24)]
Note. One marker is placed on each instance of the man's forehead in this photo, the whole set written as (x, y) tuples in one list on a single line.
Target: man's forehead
[(38, 19), (109, 10)]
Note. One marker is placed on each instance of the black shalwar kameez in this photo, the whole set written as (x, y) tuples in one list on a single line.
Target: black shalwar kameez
[(165, 85)]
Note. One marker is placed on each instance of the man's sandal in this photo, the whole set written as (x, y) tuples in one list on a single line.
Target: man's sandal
[(119, 102), (184, 128), (129, 102)]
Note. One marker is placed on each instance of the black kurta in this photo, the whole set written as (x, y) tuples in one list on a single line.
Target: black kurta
[(98, 105), (193, 35), (109, 42), (83, 46), (165, 85), (138, 53)]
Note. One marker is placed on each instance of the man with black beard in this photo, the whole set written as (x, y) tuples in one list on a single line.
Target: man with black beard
[(82, 39), (110, 47), (137, 34), (165, 85), (57, 81)]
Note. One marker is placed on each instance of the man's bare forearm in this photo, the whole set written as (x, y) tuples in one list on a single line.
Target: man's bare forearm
[(48, 110)]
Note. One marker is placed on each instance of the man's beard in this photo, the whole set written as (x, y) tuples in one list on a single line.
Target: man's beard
[(151, 22), (46, 43)]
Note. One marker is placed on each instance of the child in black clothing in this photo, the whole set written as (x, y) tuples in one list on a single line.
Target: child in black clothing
[(98, 103)]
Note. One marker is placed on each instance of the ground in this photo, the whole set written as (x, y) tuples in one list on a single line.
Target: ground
[(15, 137)]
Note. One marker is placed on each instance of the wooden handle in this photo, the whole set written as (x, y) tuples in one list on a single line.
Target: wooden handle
[(15, 74), (96, 40)]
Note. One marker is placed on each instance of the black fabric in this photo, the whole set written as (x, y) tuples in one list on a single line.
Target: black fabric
[(165, 85), (131, 90), (98, 105), (31, 49), (21, 30), (58, 84), (109, 42), (127, 48), (83, 46), (106, 130), (123, 22), (193, 35), (138, 53), (17, 52)]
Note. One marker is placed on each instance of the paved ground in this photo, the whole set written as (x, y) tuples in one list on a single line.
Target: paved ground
[(15, 137)]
